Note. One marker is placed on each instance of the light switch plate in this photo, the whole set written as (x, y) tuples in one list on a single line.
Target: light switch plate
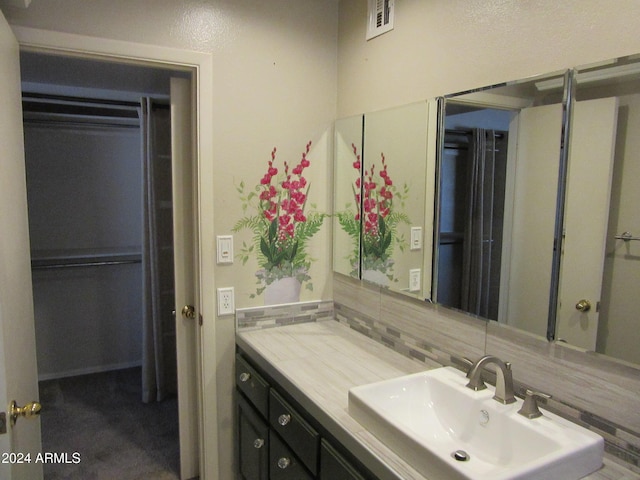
[(224, 246), (414, 280), (416, 238)]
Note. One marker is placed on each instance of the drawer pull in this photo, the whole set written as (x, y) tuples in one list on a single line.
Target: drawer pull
[(245, 376), (258, 443), (284, 419), (283, 462)]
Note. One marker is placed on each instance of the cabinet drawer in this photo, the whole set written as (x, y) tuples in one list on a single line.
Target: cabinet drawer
[(295, 430), (252, 385), (333, 466), (283, 464)]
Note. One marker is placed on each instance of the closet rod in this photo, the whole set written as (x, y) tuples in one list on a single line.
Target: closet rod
[(89, 261), (75, 123), (78, 110), (456, 146), (464, 146), (83, 264), (469, 132), (69, 98)]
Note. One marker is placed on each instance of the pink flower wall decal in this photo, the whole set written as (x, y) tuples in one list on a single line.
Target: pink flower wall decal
[(281, 223)]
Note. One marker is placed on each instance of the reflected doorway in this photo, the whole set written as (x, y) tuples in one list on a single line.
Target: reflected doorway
[(473, 175)]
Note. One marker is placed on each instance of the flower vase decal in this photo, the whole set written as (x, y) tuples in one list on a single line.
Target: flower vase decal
[(376, 201), (282, 227)]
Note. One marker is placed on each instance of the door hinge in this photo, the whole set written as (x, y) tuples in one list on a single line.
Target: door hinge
[(200, 319)]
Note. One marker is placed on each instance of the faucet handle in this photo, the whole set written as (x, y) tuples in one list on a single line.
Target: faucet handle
[(530, 406)]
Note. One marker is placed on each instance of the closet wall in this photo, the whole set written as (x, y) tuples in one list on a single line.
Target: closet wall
[(84, 182), (85, 215)]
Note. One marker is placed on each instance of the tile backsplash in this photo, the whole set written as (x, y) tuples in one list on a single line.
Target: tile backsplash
[(279, 315)]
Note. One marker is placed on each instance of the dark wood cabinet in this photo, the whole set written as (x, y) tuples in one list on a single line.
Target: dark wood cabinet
[(278, 440), (253, 385), (253, 443), (283, 463), (334, 466), (303, 439)]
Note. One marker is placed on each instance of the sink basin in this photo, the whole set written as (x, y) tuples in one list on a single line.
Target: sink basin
[(447, 431)]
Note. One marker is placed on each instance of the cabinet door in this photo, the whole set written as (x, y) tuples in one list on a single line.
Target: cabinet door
[(334, 466), (284, 464), (253, 443), (299, 435)]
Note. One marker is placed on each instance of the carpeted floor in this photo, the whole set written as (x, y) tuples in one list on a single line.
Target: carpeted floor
[(101, 417)]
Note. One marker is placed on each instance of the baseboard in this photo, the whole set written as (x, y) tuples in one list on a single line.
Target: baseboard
[(88, 370)]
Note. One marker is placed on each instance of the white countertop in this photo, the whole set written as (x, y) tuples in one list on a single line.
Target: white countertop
[(317, 363)]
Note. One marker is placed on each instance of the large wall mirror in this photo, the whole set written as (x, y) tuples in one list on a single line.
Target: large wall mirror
[(536, 217)]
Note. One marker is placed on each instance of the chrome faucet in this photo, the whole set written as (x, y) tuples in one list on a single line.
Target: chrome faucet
[(504, 378)]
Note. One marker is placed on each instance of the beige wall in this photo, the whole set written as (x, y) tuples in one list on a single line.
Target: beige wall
[(274, 84), (445, 46), (280, 76)]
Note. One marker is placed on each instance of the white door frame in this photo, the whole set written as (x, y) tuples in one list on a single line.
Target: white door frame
[(201, 64)]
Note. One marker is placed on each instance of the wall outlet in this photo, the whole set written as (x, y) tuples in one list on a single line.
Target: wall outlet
[(414, 280), (226, 304)]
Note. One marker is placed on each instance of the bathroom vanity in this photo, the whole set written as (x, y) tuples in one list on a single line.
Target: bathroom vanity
[(279, 440), (300, 375)]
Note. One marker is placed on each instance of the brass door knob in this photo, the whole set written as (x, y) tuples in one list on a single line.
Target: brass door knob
[(189, 311), (30, 410), (583, 306)]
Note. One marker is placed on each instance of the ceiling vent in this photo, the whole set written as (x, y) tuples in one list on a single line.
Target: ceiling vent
[(380, 18)]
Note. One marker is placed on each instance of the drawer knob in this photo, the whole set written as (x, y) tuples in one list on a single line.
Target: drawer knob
[(283, 462), (258, 443), (284, 419), (245, 376)]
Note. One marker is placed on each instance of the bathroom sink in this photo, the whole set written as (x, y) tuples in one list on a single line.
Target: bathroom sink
[(447, 431)]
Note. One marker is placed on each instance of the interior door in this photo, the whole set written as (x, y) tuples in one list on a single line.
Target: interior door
[(591, 154), (18, 368), (529, 240), (186, 282)]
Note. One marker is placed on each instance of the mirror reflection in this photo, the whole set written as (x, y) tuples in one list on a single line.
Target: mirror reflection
[(393, 197), (382, 225), (601, 253), (497, 177), (346, 196)]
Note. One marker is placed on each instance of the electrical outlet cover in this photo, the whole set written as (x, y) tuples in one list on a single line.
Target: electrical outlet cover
[(226, 304)]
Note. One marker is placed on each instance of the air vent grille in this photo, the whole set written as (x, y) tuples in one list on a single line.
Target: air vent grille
[(380, 17)]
